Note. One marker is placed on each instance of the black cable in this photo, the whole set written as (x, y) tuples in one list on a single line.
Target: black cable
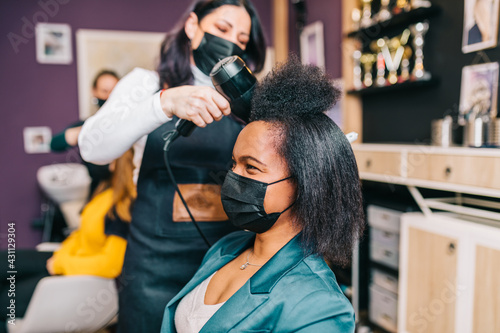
[(170, 137)]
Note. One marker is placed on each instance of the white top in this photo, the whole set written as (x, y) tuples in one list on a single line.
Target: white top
[(192, 313), (133, 110)]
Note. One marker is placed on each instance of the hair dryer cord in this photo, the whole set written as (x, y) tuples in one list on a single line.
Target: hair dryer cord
[(170, 137)]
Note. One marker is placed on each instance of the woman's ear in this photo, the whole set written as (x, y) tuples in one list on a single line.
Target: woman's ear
[(191, 25)]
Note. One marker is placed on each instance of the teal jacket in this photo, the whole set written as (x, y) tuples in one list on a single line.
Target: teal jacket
[(292, 292)]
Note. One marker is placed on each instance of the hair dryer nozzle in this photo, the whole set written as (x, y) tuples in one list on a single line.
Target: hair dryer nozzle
[(235, 81)]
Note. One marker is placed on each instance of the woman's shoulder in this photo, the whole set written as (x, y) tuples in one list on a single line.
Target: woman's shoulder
[(104, 197), (139, 71), (310, 299), (146, 78), (312, 276)]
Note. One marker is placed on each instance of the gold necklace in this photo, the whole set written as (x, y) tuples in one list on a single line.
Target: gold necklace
[(242, 267)]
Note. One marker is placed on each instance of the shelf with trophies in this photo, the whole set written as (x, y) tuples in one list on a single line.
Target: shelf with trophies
[(390, 52)]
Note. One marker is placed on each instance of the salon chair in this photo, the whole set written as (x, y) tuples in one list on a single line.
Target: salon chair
[(78, 303)]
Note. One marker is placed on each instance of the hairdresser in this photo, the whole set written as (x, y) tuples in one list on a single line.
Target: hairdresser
[(164, 248)]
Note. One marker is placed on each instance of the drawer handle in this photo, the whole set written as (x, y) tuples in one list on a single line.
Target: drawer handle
[(368, 163), (447, 171), (451, 248)]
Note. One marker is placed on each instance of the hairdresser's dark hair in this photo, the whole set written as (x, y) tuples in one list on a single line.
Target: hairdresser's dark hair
[(174, 68), (102, 73), (328, 207)]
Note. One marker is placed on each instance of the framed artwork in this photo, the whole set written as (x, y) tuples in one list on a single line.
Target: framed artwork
[(480, 25), (312, 45), (37, 139), (118, 51), (479, 91), (53, 43)]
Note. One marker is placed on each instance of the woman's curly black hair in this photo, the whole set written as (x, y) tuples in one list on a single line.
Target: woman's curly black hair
[(328, 207)]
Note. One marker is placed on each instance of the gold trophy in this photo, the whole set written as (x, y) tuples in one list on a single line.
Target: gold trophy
[(377, 47), (393, 51), (366, 17), (405, 64), (356, 18), (358, 84), (402, 6), (418, 31), (367, 60), (384, 13)]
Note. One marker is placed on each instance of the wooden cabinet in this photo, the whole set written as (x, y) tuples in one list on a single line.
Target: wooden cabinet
[(487, 290), (449, 274), (432, 269), (385, 163), (457, 169), (449, 264)]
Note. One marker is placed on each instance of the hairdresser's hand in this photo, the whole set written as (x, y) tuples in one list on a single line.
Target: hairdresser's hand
[(71, 135), (201, 105)]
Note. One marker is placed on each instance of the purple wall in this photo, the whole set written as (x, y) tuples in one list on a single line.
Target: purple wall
[(329, 12), (33, 94)]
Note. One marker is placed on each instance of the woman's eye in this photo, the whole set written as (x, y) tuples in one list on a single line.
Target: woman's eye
[(251, 167), (222, 29)]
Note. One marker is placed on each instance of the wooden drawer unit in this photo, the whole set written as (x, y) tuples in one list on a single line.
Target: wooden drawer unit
[(378, 162), (479, 171)]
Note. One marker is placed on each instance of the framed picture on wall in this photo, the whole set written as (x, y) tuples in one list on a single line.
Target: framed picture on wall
[(117, 51), (479, 89), (312, 45), (37, 139), (53, 43), (480, 25)]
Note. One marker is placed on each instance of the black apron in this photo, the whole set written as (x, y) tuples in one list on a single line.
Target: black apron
[(162, 255)]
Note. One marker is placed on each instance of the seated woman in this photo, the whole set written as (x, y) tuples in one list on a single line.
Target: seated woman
[(96, 248), (294, 185)]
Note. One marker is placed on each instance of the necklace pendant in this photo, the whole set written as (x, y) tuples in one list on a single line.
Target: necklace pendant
[(242, 267)]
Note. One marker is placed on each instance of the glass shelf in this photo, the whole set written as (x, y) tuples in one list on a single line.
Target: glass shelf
[(394, 87), (402, 20)]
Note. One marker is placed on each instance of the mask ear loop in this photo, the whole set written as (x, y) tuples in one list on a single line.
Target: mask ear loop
[(293, 203), (279, 180)]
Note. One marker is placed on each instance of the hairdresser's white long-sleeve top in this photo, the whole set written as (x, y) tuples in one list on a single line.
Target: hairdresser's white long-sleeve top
[(132, 111)]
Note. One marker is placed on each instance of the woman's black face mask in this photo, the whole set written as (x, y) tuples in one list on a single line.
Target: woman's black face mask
[(211, 50), (243, 202)]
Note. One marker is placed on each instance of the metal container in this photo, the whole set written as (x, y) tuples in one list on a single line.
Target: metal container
[(494, 133), (476, 132), (442, 132)]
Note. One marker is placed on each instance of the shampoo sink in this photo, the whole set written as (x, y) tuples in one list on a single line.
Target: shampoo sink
[(64, 182)]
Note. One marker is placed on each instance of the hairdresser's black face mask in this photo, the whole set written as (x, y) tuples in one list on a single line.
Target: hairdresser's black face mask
[(243, 202), (101, 102), (211, 50)]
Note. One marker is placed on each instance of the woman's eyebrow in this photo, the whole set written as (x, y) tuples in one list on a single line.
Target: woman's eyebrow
[(231, 26), (248, 157)]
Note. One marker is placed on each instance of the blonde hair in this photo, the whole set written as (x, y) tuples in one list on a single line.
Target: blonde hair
[(124, 189)]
